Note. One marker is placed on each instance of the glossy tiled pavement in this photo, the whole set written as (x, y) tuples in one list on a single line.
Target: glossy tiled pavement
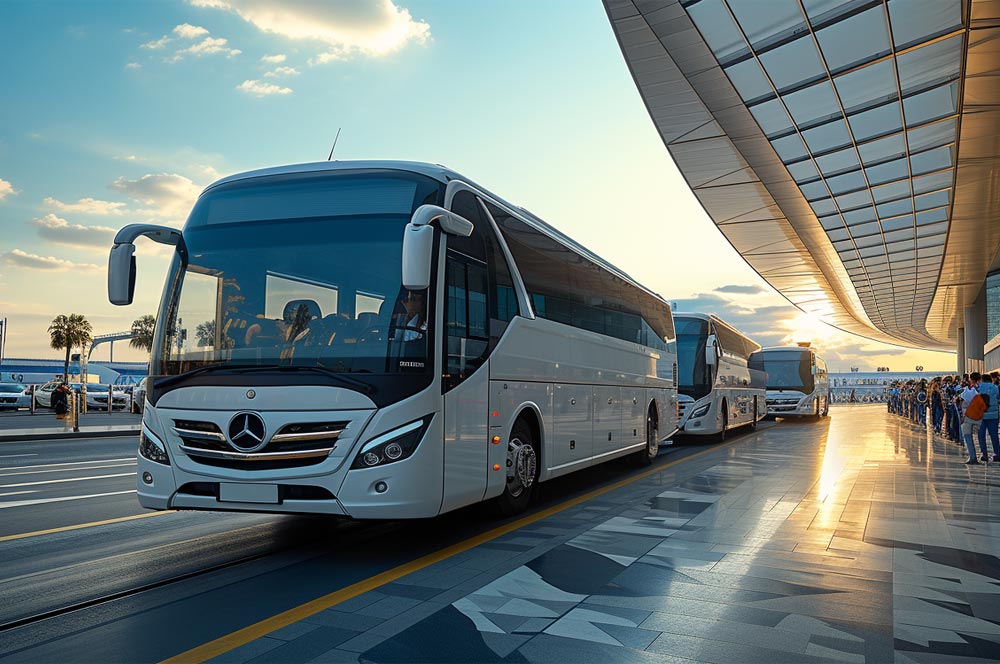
[(855, 539)]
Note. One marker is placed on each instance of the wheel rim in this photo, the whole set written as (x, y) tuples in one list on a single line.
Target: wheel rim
[(521, 463)]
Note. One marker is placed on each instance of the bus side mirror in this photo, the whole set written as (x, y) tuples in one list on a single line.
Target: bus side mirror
[(418, 242), (121, 274), (121, 261), (418, 246), (710, 357)]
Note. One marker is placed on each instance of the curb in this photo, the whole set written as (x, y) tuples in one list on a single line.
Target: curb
[(67, 435)]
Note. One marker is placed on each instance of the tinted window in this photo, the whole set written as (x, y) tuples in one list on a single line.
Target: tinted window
[(466, 319), (11, 387), (484, 246), (568, 288)]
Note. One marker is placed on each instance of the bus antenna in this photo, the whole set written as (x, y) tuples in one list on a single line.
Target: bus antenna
[(334, 144)]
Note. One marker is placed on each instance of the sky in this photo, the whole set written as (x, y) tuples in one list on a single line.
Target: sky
[(122, 112)]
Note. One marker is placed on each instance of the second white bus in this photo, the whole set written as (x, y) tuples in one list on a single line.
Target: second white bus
[(717, 389)]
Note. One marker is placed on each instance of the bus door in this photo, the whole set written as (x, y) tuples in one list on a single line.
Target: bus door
[(465, 381)]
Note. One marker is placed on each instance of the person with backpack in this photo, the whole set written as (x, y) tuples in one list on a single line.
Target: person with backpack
[(991, 395), (973, 406)]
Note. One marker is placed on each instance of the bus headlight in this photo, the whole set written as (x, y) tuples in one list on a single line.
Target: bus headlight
[(152, 449), (701, 411), (392, 446)]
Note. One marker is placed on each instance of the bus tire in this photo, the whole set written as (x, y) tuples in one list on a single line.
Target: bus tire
[(753, 422), (816, 414), (522, 468), (826, 407), (646, 455), (721, 436)]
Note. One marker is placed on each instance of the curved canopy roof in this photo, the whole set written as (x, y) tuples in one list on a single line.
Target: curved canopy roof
[(848, 150)]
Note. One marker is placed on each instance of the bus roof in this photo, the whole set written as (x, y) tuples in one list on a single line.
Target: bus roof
[(799, 349), (444, 175)]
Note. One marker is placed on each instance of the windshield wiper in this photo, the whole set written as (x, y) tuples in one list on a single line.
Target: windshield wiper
[(337, 375), (211, 368)]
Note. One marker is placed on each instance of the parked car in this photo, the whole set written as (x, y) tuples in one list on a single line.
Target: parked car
[(97, 396), (14, 396), (139, 396)]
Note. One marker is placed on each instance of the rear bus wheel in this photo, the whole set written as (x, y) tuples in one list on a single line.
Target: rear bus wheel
[(522, 471), (646, 455)]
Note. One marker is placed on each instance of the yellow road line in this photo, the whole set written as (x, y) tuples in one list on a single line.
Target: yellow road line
[(233, 640), (8, 538)]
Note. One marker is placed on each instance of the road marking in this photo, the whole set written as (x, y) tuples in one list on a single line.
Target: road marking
[(68, 470), (240, 637), (11, 456), (80, 526), (68, 479), (41, 501), (16, 493), (68, 463)]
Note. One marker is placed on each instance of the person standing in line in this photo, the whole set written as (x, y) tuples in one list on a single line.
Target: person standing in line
[(971, 419), (991, 395)]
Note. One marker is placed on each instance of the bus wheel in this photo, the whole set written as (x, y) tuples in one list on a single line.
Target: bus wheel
[(826, 407), (753, 422), (721, 436), (522, 470), (816, 415), (646, 455)]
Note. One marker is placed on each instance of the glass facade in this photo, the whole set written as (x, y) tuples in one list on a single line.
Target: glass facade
[(992, 306), (860, 101)]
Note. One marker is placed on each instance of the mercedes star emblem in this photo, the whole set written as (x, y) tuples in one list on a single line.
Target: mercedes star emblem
[(246, 432)]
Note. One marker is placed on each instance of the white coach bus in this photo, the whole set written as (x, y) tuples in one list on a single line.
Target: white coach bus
[(387, 340), (797, 381), (717, 389)]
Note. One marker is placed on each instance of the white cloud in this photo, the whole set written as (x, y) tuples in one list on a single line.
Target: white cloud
[(261, 89), (348, 27), (87, 206), (273, 59), (133, 65), (207, 46), (56, 229), (20, 258), (169, 195), (282, 71), (157, 44), (188, 31), (6, 189)]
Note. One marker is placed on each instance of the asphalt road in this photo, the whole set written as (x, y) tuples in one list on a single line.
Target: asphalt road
[(146, 588)]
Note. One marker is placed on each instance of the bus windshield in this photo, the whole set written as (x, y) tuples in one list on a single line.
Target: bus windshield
[(694, 377), (787, 370), (298, 271)]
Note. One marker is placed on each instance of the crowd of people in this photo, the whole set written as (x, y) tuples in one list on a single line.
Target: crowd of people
[(964, 409)]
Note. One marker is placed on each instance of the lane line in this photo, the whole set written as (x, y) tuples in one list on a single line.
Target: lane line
[(240, 637), (68, 479), (67, 463), (11, 456), (76, 439), (80, 526), (15, 493), (68, 470), (42, 501)]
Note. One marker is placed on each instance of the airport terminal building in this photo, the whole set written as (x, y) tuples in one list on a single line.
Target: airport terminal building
[(848, 151)]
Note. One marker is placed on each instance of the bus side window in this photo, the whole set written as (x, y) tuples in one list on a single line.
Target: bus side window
[(466, 319)]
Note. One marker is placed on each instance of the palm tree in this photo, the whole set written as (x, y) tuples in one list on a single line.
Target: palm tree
[(68, 332), (142, 333)]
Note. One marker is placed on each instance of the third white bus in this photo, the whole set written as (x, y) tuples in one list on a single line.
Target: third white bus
[(797, 381)]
